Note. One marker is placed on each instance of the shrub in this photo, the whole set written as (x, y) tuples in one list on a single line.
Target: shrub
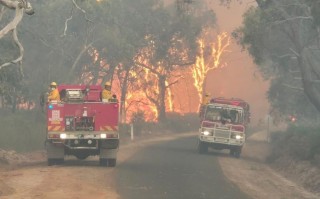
[(22, 130), (182, 123), (297, 142)]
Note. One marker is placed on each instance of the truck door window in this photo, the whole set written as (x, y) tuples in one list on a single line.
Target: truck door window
[(212, 113)]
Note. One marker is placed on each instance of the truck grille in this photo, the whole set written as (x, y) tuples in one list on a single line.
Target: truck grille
[(222, 133)]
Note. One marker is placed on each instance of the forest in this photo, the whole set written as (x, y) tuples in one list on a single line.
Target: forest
[(157, 54)]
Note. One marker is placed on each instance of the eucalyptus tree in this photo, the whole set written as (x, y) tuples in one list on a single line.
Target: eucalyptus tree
[(171, 44), (283, 38), (11, 49)]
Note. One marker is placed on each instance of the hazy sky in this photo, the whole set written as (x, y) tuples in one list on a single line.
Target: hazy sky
[(240, 78)]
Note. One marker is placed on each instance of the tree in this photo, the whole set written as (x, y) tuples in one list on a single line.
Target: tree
[(283, 38), (20, 7), (10, 78)]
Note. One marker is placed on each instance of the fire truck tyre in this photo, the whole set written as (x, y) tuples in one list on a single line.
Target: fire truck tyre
[(103, 162), (81, 156), (112, 162), (235, 152), (202, 147)]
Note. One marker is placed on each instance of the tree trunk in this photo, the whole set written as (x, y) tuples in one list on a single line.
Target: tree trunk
[(123, 96), (162, 96)]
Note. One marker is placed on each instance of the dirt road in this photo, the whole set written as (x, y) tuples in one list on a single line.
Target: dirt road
[(86, 179), (74, 179)]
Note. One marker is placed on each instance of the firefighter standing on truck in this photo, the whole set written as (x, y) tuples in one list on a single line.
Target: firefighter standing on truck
[(54, 92), (205, 101), (106, 93)]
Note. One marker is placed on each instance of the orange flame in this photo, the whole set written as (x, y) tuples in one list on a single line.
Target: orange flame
[(143, 82), (206, 63)]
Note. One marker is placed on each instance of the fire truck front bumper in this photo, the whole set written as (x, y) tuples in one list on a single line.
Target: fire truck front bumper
[(212, 140), (85, 140), (64, 135)]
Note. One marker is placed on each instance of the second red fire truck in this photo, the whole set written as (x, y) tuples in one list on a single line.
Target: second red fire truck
[(223, 125)]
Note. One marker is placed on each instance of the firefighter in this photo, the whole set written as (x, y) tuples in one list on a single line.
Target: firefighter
[(205, 101), (106, 93), (54, 92)]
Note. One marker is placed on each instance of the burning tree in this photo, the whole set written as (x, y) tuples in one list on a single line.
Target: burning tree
[(208, 58), (158, 60)]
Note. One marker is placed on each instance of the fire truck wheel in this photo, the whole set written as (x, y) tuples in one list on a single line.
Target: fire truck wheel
[(202, 147), (112, 162), (109, 162), (81, 156), (103, 162), (235, 152)]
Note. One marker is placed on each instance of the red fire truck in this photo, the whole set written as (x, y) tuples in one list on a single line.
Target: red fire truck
[(223, 125), (82, 124)]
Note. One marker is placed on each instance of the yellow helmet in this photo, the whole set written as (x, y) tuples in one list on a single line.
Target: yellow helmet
[(107, 84), (53, 84), (207, 94)]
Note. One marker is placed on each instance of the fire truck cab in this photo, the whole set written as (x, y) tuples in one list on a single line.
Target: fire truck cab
[(223, 125), (83, 125)]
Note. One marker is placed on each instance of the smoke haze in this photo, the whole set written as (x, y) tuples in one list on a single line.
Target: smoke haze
[(240, 78)]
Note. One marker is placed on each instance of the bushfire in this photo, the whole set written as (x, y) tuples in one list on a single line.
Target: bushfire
[(182, 85)]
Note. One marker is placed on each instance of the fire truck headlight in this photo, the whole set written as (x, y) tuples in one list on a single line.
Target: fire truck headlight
[(206, 132), (63, 136), (238, 137), (103, 135)]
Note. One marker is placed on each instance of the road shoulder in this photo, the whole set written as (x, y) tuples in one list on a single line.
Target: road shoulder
[(257, 179)]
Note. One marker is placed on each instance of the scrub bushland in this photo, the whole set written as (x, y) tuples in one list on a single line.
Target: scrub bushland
[(22, 131), (301, 143)]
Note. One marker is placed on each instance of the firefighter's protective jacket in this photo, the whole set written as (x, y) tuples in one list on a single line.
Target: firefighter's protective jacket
[(106, 94), (54, 95), (206, 100)]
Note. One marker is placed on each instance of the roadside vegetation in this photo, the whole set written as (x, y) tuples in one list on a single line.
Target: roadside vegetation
[(176, 123), (22, 131), (300, 143), (25, 130)]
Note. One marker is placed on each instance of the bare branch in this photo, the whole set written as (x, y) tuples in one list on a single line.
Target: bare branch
[(21, 49), (295, 52), (293, 87), (82, 10), (174, 82), (13, 24), (2, 11), (66, 23), (148, 67), (20, 7), (292, 19), (9, 4), (84, 49)]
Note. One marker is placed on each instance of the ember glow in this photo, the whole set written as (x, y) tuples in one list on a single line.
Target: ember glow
[(209, 58)]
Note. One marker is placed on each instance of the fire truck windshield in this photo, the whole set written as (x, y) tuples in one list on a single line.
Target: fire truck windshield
[(228, 114)]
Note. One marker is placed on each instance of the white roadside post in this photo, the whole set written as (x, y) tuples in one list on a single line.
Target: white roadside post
[(131, 131)]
